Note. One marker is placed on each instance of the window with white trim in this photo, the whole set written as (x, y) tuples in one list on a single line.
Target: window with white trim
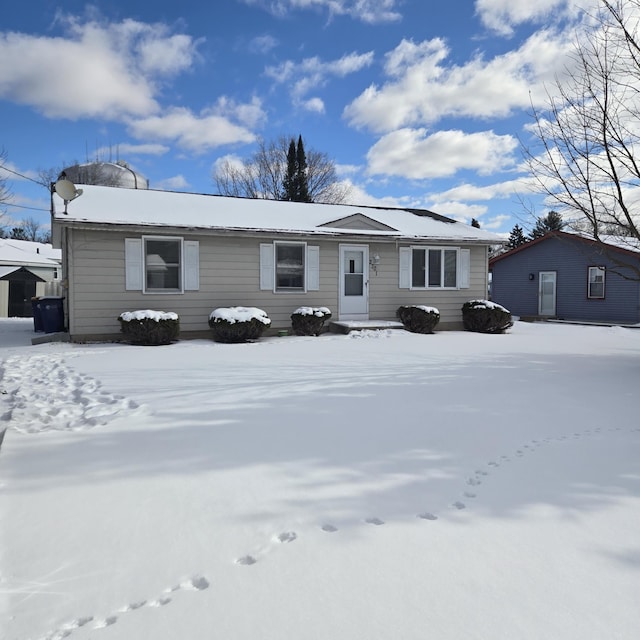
[(596, 282), (434, 268), (289, 267), (161, 264)]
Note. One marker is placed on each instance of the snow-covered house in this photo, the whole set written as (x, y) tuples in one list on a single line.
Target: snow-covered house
[(27, 270), (127, 249), (569, 276)]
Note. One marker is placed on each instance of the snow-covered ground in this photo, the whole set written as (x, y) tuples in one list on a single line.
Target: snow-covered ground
[(380, 485)]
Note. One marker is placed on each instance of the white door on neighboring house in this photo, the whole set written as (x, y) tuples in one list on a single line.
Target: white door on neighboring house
[(354, 282), (547, 293)]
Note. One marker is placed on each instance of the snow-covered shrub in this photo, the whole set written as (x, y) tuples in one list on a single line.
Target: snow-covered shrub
[(484, 316), (149, 327), (238, 324), (308, 321), (418, 318)]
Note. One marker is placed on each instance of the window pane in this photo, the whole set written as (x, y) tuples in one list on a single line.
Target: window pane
[(435, 268), (418, 268), (353, 284), (162, 265), (450, 268), (596, 282), (290, 266)]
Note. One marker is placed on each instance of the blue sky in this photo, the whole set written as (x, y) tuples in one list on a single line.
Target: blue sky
[(419, 103)]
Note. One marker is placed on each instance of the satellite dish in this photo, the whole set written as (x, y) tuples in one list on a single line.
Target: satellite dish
[(65, 189)]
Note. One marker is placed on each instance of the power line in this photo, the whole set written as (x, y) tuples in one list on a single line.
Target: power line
[(21, 206), (21, 175)]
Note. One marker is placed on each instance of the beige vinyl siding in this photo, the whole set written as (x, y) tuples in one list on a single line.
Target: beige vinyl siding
[(230, 276), (385, 296)]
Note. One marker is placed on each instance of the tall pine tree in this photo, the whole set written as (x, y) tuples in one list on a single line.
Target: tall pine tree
[(295, 185), (516, 237), (301, 173), (551, 222), (291, 175)]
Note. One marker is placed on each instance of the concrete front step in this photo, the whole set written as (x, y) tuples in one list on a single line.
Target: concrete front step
[(345, 326)]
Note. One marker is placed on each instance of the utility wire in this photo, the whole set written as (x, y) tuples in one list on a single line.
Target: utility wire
[(21, 175), (22, 206)]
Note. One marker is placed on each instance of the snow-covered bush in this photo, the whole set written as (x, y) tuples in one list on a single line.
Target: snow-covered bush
[(149, 327), (418, 318), (484, 316), (308, 321), (238, 324)]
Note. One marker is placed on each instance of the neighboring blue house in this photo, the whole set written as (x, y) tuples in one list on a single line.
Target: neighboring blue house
[(566, 276)]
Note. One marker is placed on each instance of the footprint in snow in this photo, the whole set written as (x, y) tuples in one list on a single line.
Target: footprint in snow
[(246, 560), (375, 521), (427, 516), (459, 505), (329, 528), (287, 536)]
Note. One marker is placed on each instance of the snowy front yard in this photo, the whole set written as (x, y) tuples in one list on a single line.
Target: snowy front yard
[(382, 485)]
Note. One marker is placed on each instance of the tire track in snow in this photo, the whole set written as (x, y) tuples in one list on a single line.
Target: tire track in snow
[(42, 393)]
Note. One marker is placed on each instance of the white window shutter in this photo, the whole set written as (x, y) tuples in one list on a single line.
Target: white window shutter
[(191, 265), (267, 270), (313, 268), (133, 264), (464, 269), (405, 268)]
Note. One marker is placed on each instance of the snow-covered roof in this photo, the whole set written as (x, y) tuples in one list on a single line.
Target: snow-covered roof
[(116, 206), (25, 253)]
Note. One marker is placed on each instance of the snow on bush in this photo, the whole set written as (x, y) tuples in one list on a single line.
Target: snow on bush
[(238, 324), (418, 318), (309, 321), (485, 316), (149, 327)]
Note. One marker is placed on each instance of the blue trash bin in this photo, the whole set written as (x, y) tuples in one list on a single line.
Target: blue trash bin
[(52, 313), (37, 314)]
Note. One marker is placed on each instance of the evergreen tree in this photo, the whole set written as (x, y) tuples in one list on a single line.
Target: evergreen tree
[(295, 185), (551, 222), (475, 223), (301, 174), (289, 187), (516, 237)]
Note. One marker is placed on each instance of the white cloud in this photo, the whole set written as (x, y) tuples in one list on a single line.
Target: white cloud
[(172, 184), (368, 11), (461, 211), (413, 154), (132, 149), (316, 105), (473, 193), (422, 89), (95, 70), (313, 73), (503, 15), (225, 123), (262, 44)]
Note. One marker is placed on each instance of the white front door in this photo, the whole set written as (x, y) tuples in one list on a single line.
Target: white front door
[(354, 282), (547, 293)]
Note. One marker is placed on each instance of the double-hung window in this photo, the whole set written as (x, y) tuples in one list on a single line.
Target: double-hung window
[(596, 282), (161, 264), (289, 267), (434, 268)]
